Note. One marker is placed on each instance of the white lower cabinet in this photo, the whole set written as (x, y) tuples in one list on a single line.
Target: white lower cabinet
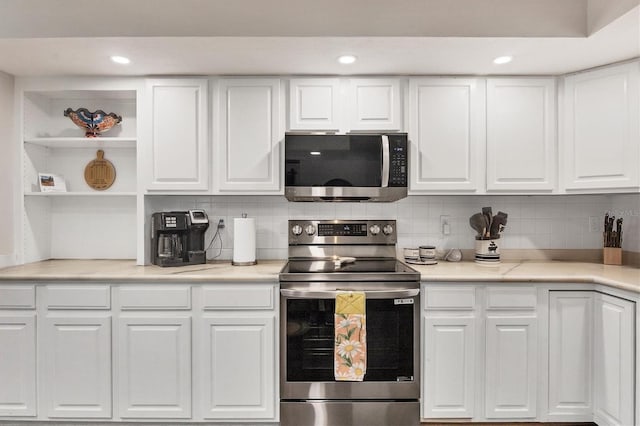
[(449, 360), (154, 366), (239, 366), (511, 367), (75, 356), (614, 360), (570, 355), (17, 363)]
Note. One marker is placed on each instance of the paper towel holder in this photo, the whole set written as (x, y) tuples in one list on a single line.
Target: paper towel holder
[(243, 262)]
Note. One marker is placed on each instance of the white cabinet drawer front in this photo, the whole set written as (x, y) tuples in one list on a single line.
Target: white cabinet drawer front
[(17, 297), (238, 297), (450, 298), (78, 297), (511, 298), (18, 365), (143, 297)]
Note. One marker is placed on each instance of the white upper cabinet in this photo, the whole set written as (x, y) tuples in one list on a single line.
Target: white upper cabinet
[(521, 134), (447, 133), (178, 142), (247, 142), (600, 135), (314, 104), (374, 104)]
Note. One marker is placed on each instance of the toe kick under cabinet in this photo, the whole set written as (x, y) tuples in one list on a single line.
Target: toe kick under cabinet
[(529, 352), (138, 352)]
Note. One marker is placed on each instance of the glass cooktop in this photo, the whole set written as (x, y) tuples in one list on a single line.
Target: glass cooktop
[(348, 269)]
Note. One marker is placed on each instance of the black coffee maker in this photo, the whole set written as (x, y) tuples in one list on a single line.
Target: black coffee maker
[(177, 238)]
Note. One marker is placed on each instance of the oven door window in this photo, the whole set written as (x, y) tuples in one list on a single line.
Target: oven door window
[(310, 340)]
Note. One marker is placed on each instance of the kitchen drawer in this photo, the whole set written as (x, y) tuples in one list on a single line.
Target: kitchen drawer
[(78, 297), (238, 297), (155, 297), (511, 297), (456, 298), (17, 297)]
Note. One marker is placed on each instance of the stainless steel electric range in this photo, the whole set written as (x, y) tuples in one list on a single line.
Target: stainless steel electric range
[(326, 257)]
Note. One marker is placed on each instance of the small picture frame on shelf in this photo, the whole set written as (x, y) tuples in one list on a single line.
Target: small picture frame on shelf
[(50, 182)]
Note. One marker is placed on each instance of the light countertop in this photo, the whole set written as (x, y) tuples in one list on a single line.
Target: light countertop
[(622, 277)]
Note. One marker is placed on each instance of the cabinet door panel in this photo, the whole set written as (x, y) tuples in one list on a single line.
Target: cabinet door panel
[(449, 376), (520, 134), (18, 365), (375, 104), (179, 144), (154, 360), (601, 130), (570, 355), (239, 368), (614, 360), (314, 104), (447, 133), (77, 366), (511, 372), (248, 157)]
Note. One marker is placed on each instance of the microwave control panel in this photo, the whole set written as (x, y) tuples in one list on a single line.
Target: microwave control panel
[(398, 158)]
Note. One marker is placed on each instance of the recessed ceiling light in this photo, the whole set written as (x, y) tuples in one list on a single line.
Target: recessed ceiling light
[(315, 153), (120, 59), (502, 60), (347, 59)]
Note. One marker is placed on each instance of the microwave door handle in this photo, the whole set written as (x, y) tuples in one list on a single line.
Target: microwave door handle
[(329, 294), (386, 154)]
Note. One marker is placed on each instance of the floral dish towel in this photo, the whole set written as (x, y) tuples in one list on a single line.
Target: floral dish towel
[(350, 359)]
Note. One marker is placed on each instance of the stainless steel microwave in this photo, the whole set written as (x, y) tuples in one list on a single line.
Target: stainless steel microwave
[(351, 167)]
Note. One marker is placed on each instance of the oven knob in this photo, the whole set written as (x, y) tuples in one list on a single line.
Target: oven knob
[(387, 229), (375, 229), (310, 229), (296, 230)]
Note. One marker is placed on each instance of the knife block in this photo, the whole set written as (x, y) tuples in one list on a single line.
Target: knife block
[(612, 255)]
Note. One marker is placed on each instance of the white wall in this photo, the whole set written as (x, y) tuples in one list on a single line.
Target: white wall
[(7, 170), (535, 222)]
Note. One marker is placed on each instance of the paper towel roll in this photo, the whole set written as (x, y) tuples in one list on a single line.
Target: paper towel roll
[(244, 241)]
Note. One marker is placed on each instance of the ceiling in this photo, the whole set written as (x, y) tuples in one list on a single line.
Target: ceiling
[(202, 37)]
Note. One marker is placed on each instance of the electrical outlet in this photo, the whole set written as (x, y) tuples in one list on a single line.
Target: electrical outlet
[(596, 224), (221, 224), (445, 226)]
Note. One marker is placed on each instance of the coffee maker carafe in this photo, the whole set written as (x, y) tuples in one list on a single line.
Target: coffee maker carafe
[(177, 238)]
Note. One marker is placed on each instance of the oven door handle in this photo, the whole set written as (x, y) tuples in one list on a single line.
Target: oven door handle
[(369, 294)]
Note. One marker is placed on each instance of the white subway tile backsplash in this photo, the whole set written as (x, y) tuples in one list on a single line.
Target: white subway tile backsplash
[(535, 222)]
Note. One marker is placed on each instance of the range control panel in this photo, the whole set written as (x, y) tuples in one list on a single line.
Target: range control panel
[(342, 232)]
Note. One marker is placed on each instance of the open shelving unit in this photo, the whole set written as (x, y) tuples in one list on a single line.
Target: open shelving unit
[(81, 223)]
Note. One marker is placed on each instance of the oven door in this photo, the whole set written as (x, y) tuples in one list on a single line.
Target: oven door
[(307, 345)]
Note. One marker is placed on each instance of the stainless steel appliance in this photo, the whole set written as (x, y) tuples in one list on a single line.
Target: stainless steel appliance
[(177, 238), (351, 167), (330, 256)]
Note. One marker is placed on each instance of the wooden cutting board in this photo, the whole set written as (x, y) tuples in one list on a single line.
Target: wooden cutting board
[(100, 173)]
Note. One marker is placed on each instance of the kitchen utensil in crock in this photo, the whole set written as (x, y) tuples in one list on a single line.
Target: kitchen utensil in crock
[(478, 223)]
